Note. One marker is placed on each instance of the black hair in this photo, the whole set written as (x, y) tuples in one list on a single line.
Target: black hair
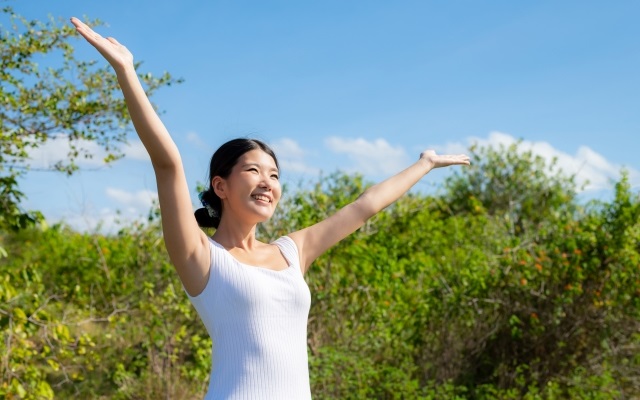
[(222, 162)]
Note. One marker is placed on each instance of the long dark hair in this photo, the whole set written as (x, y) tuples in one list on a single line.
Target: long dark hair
[(222, 162)]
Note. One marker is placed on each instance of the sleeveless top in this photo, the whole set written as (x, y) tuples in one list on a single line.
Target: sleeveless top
[(257, 320)]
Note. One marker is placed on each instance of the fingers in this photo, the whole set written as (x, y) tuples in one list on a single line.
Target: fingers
[(116, 54), (445, 160), (80, 26), (89, 34), (460, 159), (86, 32), (75, 21)]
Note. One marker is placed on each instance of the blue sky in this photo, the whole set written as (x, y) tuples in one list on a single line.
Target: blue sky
[(363, 86)]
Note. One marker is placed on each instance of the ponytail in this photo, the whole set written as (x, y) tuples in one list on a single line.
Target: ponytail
[(209, 215)]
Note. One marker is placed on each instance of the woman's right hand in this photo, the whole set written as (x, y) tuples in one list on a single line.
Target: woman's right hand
[(116, 54)]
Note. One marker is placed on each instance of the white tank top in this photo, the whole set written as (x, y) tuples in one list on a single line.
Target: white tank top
[(257, 320)]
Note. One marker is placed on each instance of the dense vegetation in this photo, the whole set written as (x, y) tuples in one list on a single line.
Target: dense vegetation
[(501, 286)]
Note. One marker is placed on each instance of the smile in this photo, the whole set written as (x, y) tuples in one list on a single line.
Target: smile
[(261, 198)]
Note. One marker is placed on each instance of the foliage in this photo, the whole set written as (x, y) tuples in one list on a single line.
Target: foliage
[(93, 316), (471, 294), (77, 101)]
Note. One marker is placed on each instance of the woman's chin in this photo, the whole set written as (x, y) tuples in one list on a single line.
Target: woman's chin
[(263, 216)]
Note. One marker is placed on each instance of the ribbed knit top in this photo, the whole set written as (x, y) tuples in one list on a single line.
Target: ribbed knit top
[(257, 320)]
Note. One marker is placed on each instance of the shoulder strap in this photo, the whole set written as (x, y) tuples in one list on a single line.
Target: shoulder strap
[(289, 250)]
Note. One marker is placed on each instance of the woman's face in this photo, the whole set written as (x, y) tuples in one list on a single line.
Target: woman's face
[(252, 190)]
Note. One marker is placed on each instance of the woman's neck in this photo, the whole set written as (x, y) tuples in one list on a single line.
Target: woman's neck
[(236, 235)]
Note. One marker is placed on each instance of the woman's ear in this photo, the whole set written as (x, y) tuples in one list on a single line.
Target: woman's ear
[(219, 187)]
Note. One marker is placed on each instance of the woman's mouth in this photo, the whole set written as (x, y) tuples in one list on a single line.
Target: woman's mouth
[(261, 197)]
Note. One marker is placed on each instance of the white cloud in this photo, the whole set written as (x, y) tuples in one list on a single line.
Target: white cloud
[(104, 220), (286, 147), (588, 166), (451, 148), (298, 167), (129, 207), (140, 201), (370, 157), (196, 140), (292, 157), (135, 150), (57, 148)]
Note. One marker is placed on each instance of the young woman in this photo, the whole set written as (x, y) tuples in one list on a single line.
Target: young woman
[(250, 295)]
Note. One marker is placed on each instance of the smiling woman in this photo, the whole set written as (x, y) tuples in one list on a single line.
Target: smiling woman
[(251, 296), (253, 156)]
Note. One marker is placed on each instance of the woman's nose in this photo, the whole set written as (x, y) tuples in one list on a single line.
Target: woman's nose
[(264, 182)]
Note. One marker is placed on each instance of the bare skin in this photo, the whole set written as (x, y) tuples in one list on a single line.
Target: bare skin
[(249, 195)]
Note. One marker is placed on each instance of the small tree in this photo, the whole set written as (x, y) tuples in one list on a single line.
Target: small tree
[(76, 100), (513, 183)]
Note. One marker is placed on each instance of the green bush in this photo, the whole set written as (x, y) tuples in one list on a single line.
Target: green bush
[(502, 286)]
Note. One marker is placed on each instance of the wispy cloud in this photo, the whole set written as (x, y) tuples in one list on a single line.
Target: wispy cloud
[(288, 148), (196, 140), (292, 157), (139, 201), (450, 148), (57, 148), (105, 220), (135, 150), (370, 157), (591, 169), (127, 207)]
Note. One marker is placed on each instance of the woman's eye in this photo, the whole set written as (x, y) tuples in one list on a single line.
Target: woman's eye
[(275, 176)]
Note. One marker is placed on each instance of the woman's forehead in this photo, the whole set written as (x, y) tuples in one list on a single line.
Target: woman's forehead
[(257, 157)]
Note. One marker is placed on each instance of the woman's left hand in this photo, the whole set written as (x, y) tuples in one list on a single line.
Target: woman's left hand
[(439, 161)]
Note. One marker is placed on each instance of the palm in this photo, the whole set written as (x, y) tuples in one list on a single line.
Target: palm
[(439, 161), (116, 54)]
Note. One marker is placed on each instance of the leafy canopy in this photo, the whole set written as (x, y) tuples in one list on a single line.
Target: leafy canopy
[(74, 100)]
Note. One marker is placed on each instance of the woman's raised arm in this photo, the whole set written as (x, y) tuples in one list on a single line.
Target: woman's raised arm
[(187, 245), (318, 238)]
